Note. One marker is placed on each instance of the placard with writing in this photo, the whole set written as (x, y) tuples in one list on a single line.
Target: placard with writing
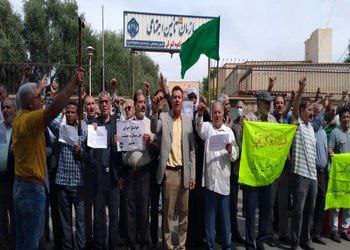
[(130, 135)]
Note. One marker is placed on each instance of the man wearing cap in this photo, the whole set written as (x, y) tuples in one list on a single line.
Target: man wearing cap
[(258, 195)]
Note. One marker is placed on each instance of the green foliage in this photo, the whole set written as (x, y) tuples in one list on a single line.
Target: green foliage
[(48, 35), (12, 47)]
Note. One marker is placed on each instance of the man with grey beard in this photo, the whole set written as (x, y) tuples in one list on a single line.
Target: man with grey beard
[(137, 165)]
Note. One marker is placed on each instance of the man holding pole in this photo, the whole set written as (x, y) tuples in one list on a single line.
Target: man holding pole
[(30, 158)]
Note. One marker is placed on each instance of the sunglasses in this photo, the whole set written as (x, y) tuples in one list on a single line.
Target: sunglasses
[(127, 108)]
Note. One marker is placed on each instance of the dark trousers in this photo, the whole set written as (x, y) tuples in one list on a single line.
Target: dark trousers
[(7, 223), (88, 188), (155, 194), (257, 196), (55, 216), (273, 213), (233, 204), (122, 216), (283, 194), (137, 185), (106, 193), (304, 199), (196, 226), (320, 203), (68, 197)]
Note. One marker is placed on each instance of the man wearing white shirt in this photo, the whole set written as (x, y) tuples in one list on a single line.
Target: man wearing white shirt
[(136, 166), (216, 174)]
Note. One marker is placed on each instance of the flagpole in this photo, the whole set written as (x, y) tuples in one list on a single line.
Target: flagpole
[(103, 49), (217, 78), (208, 78)]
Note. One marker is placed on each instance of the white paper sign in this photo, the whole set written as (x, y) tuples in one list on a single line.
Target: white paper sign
[(218, 142), (3, 138), (130, 135), (97, 138), (187, 108), (68, 134)]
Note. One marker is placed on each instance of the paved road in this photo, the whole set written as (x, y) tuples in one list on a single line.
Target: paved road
[(331, 245)]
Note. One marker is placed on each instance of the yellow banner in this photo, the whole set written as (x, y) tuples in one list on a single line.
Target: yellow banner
[(338, 191), (264, 151)]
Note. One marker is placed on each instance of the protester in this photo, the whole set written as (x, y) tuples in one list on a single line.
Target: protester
[(28, 137), (129, 109), (304, 179), (321, 166), (237, 128), (176, 168), (70, 181), (196, 228), (216, 177), (260, 195), (280, 188), (7, 227), (137, 181), (339, 143), (3, 93), (106, 165), (155, 189), (90, 108), (226, 102)]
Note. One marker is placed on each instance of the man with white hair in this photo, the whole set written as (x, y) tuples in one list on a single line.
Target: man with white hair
[(30, 158), (137, 165), (216, 174), (106, 171), (224, 99)]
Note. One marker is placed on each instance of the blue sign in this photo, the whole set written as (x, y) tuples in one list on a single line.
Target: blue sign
[(133, 27)]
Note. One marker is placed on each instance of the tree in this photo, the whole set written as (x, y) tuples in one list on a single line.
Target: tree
[(12, 47), (50, 41)]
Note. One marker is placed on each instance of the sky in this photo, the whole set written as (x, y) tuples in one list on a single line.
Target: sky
[(250, 29)]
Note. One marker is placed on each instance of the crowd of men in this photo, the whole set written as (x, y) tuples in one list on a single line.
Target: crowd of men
[(197, 187)]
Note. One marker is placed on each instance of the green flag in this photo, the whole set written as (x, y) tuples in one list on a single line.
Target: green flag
[(204, 40), (264, 151), (338, 191)]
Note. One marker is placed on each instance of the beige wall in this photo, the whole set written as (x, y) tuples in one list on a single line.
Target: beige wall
[(328, 81), (318, 48)]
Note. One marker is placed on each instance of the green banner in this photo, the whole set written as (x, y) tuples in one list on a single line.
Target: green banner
[(338, 191), (264, 151)]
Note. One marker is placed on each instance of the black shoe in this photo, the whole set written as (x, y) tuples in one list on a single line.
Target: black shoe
[(335, 237), (271, 242), (293, 247), (306, 246), (284, 240), (318, 240), (345, 236)]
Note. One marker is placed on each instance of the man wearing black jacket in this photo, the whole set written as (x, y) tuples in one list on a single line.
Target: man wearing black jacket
[(106, 164)]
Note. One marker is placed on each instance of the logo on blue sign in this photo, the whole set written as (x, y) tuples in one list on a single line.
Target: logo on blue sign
[(133, 27)]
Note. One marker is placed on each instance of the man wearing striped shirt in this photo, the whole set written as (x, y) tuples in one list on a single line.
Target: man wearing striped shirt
[(304, 177)]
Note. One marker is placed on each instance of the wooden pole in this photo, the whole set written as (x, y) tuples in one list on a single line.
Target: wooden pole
[(80, 63)]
